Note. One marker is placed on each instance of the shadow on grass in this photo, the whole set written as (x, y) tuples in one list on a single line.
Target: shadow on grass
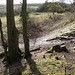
[(33, 67), (15, 69)]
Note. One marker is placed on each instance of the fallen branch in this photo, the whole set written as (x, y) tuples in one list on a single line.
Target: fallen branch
[(36, 49)]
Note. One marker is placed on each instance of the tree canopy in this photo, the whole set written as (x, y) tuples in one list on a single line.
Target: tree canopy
[(51, 7)]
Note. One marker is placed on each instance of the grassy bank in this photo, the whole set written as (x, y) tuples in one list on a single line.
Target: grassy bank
[(46, 21)]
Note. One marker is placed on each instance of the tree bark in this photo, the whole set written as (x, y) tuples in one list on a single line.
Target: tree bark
[(24, 22), (12, 33)]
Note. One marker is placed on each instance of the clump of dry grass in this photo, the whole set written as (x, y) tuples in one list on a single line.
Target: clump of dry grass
[(70, 16), (45, 22)]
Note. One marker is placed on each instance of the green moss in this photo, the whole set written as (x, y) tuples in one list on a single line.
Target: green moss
[(25, 72), (47, 66), (63, 57), (49, 51)]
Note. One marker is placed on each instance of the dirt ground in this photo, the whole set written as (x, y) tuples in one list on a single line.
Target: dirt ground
[(38, 47)]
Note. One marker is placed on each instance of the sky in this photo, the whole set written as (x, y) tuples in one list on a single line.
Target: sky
[(32, 1)]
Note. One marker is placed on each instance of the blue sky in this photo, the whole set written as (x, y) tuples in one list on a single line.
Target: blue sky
[(32, 1)]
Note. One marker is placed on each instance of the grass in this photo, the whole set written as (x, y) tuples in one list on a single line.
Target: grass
[(2, 10), (3, 19), (32, 15), (17, 18), (42, 20), (48, 66), (44, 15), (33, 7)]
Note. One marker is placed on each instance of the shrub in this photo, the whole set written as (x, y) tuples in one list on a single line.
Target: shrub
[(68, 9), (60, 10)]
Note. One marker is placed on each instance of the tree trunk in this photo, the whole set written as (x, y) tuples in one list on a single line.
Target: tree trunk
[(53, 12), (12, 33), (24, 21)]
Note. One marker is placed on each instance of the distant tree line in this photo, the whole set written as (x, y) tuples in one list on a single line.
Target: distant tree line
[(56, 7), (36, 4)]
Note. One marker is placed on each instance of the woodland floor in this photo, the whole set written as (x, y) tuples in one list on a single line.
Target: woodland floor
[(43, 63)]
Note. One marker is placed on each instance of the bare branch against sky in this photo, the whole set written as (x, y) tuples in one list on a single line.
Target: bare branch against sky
[(33, 1)]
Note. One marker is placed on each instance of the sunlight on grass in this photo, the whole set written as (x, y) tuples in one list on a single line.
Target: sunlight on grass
[(48, 66), (17, 18), (39, 16), (2, 10), (4, 19)]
